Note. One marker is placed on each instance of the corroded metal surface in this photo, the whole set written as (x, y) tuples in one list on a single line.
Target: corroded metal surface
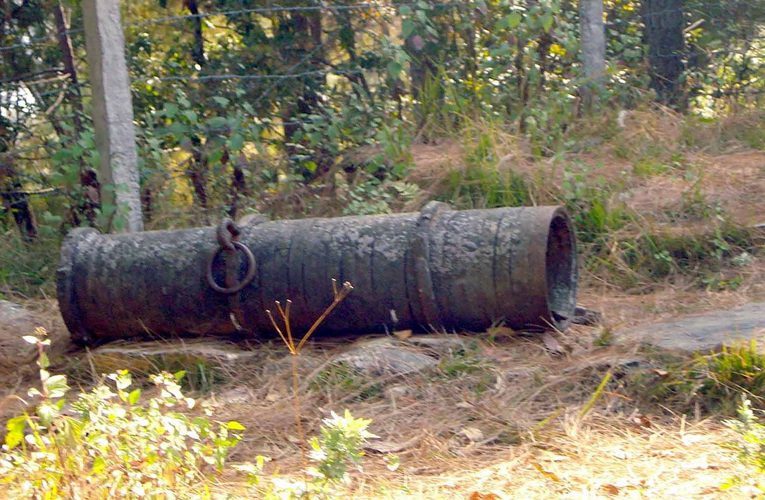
[(433, 270)]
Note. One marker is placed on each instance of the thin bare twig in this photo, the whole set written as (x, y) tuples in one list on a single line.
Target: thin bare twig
[(285, 333)]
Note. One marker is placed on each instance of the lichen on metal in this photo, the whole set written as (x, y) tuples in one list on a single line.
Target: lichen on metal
[(435, 270)]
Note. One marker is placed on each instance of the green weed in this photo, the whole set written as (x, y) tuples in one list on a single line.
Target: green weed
[(735, 370), (605, 337), (201, 376), (648, 167), (711, 383), (28, 268), (651, 256), (485, 187), (750, 445), (591, 206)]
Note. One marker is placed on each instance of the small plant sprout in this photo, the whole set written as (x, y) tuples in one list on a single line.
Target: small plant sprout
[(750, 444), (295, 347), (339, 444)]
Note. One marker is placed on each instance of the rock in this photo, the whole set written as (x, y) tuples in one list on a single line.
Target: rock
[(587, 317), (152, 357), (385, 356), (235, 395), (439, 343), (15, 322), (703, 332)]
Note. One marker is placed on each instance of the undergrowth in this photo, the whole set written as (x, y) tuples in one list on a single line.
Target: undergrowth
[(28, 269), (105, 443), (108, 442), (707, 384), (750, 447), (201, 375)]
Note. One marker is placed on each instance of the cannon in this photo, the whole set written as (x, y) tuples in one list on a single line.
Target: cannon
[(435, 270)]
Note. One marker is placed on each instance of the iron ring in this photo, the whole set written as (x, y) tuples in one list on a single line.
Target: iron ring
[(247, 278)]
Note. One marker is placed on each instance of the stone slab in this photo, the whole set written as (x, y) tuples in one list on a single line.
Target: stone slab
[(386, 356), (15, 322), (703, 332)]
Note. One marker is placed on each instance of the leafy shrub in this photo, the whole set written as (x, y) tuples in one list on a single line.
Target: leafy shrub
[(338, 446), (105, 444)]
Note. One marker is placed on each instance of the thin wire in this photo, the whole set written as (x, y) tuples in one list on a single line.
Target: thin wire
[(37, 192), (204, 78), (295, 8), (48, 39)]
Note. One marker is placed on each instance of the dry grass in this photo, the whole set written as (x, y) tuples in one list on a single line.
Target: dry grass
[(503, 418), (511, 424), (600, 458), (526, 433)]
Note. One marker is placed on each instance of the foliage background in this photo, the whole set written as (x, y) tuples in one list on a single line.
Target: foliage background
[(310, 108)]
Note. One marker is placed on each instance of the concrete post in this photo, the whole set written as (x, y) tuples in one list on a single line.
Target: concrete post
[(113, 113), (593, 42)]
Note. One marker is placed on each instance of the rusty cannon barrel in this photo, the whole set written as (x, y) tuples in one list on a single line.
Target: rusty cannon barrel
[(438, 269)]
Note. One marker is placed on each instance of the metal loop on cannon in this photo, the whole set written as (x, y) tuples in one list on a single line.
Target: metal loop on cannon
[(228, 239)]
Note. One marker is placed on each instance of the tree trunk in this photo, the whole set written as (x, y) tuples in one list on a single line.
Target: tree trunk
[(306, 47), (238, 185), (91, 187), (347, 39), (17, 203), (198, 50), (67, 55), (522, 82), (147, 202), (295, 26), (198, 173), (663, 22), (421, 73)]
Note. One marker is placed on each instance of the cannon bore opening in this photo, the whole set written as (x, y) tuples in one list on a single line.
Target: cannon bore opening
[(561, 271)]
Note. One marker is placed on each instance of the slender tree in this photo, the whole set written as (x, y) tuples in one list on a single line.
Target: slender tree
[(664, 23)]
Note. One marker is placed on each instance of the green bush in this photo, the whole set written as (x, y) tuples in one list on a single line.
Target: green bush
[(107, 444), (711, 383), (339, 446), (733, 370)]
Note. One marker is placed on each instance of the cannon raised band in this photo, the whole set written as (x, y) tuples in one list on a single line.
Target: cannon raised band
[(438, 269)]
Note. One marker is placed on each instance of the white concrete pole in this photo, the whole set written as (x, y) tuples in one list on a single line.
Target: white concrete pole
[(113, 113), (593, 41)]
